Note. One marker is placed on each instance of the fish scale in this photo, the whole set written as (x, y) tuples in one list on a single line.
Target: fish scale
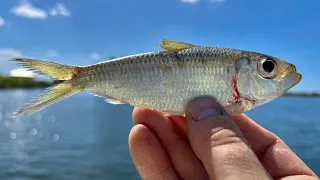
[(172, 87), (167, 80)]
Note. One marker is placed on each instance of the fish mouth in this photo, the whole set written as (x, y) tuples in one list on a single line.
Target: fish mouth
[(294, 79), (297, 79), (296, 76), (288, 76), (290, 72)]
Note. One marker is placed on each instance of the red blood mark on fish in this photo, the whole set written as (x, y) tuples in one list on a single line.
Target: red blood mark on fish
[(253, 102), (235, 91)]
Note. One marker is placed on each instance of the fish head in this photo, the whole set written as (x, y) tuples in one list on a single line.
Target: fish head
[(262, 78)]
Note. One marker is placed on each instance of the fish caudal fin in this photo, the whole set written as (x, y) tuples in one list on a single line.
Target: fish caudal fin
[(50, 96), (55, 93), (53, 70)]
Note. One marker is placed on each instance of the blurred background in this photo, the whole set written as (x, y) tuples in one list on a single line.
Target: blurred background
[(83, 137)]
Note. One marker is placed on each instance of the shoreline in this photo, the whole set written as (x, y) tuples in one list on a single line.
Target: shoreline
[(302, 94), (21, 83)]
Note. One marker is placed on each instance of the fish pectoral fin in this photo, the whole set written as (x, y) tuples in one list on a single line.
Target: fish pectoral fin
[(171, 45)]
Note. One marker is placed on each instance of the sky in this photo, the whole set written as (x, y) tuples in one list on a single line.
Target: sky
[(83, 32)]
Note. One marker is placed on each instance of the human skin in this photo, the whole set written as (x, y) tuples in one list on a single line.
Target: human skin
[(209, 144)]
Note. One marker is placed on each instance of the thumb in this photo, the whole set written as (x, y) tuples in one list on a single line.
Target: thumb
[(219, 144)]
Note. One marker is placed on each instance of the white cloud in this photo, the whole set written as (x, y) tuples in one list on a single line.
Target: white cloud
[(12, 68), (95, 56), (52, 53), (2, 21), (7, 54), (60, 9), (26, 9), (190, 1), (22, 72)]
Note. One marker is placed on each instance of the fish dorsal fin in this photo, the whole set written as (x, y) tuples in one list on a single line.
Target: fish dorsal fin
[(171, 45)]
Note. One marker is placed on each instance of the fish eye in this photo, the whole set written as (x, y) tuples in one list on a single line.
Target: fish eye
[(268, 65), (267, 68)]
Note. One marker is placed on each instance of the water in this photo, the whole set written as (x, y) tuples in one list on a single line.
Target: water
[(83, 137)]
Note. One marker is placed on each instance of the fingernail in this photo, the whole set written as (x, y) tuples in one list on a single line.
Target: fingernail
[(208, 113), (203, 108)]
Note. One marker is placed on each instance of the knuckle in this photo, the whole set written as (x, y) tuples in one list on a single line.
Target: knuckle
[(174, 143), (218, 132), (160, 175), (221, 130)]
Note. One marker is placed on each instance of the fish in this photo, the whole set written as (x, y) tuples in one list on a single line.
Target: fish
[(166, 80)]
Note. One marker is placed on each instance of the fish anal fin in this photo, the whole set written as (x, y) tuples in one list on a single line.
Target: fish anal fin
[(111, 100), (171, 45), (108, 99)]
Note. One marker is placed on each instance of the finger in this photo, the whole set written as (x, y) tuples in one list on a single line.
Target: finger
[(219, 143), (258, 137), (273, 153), (299, 177), (184, 161), (148, 156), (181, 123)]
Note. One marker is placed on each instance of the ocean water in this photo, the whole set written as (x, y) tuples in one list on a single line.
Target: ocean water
[(83, 137)]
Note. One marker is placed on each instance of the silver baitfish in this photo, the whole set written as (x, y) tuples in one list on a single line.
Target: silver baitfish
[(167, 80)]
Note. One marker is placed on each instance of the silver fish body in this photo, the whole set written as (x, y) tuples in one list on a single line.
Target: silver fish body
[(167, 80)]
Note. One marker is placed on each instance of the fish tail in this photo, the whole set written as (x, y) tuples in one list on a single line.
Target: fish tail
[(65, 73), (54, 70)]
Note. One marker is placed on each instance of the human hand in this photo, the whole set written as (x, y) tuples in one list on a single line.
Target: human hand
[(209, 144)]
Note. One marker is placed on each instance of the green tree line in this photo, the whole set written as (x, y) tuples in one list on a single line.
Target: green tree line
[(21, 82)]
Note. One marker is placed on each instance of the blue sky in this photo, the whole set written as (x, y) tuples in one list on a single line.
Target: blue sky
[(82, 32)]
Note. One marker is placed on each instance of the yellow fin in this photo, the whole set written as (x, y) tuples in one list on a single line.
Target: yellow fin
[(54, 94), (54, 70), (171, 45), (51, 96)]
